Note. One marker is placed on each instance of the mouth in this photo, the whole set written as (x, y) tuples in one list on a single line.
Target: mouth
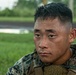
[(44, 54)]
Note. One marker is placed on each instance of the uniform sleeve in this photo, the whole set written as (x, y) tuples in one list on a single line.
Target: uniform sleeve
[(16, 69), (21, 66), (12, 71)]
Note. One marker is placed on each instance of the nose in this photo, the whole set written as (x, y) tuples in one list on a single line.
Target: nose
[(43, 43)]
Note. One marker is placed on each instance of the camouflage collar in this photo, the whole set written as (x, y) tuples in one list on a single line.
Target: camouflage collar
[(71, 63)]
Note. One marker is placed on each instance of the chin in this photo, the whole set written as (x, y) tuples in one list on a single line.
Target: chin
[(46, 61)]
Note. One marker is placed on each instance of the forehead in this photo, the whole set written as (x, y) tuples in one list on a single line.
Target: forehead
[(48, 24)]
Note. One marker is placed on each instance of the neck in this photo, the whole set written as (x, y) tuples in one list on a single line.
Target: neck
[(64, 58)]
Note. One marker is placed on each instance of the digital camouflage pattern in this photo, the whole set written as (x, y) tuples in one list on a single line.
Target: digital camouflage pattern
[(31, 65)]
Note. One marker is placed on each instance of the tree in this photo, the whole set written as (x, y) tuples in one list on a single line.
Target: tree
[(25, 4), (71, 3)]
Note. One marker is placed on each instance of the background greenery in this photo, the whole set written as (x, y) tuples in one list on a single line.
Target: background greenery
[(12, 48), (26, 8), (16, 19)]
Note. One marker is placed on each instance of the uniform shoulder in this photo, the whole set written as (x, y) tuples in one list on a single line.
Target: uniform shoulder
[(25, 59), (21, 65), (72, 60)]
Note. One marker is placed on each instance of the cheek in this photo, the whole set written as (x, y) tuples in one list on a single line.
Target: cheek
[(58, 52), (58, 47), (36, 42)]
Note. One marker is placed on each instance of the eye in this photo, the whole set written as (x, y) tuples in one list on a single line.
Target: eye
[(37, 35), (51, 36)]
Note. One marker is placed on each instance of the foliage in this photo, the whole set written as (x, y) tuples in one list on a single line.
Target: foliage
[(75, 8), (6, 12), (25, 4), (23, 12), (22, 9), (16, 38), (16, 19), (17, 12), (12, 48), (64, 1), (26, 8)]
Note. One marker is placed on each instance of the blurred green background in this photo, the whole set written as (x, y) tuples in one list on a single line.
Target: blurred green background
[(14, 46), (26, 8)]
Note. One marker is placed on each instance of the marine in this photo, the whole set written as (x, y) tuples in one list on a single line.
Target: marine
[(55, 53)]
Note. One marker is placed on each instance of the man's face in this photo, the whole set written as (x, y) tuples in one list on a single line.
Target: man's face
[(52, 39)]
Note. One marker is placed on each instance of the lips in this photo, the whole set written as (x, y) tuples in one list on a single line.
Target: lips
[(44, 54)]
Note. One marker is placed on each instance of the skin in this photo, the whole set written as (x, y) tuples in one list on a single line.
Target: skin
[(52, 40)]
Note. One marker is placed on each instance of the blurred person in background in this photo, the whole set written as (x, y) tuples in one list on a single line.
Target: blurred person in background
[(53, 36)]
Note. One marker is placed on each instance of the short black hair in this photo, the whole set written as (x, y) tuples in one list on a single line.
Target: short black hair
[(54, 10)]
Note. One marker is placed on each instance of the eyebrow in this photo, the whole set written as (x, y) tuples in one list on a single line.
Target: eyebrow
[(36, 30), (48, 30)]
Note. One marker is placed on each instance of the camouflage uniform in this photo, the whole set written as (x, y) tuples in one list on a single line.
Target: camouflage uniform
[(31, 65)]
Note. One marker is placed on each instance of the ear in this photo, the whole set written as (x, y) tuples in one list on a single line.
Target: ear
[(74, 32), (72, 35)]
